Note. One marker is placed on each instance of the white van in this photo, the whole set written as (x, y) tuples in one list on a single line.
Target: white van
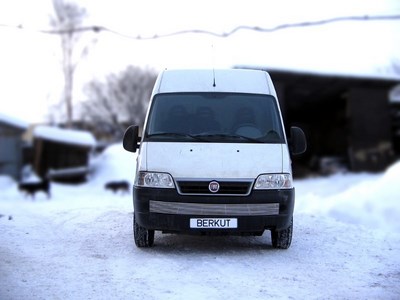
[(214, 158)]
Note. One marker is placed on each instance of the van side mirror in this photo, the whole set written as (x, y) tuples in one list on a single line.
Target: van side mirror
[(131, 139), (298, 143)]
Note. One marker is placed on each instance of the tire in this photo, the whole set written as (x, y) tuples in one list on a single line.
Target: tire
[(283, 238), (144, 238)]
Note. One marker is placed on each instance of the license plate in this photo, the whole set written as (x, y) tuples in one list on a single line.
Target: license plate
[(213, 223)]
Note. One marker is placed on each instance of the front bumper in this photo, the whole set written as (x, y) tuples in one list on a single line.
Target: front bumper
[(166, 210)]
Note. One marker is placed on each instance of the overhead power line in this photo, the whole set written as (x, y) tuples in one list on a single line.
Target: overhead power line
[(97, 29)]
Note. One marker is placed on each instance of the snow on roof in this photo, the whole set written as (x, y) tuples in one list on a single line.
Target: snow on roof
[(67, 136), (325, 72), (13, 121)]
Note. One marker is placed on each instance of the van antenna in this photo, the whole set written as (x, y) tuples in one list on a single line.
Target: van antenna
[(213, 54), (214, 85)]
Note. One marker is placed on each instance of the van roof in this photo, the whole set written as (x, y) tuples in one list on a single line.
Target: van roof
[(208, 80)]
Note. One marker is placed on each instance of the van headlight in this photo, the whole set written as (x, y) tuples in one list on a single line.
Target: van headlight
[(273, 182), (154, 180)]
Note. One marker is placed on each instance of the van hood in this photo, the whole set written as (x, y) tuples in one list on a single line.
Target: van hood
[(213, 160)]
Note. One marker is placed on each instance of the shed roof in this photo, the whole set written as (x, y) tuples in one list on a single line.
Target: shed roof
[(66, 136), (14, 122), (307, 86)]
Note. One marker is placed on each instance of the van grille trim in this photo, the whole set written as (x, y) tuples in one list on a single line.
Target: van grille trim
[(227, 187), (203, 209)]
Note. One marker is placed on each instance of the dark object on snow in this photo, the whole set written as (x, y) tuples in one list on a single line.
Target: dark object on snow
[(31, 188), (116, 186)]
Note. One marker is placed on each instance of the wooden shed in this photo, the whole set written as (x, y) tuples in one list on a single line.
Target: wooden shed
[(345, 117), (62, 154), (11, 131)]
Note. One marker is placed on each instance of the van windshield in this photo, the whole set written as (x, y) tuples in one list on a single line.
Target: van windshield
[(214, 117)]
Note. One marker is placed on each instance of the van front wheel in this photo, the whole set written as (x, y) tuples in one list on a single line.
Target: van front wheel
[(143, 237), (283, 238)]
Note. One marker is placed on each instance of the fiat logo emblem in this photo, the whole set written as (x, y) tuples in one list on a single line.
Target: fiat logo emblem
[(213, 186)]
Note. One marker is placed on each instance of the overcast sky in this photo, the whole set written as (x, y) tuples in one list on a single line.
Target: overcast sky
[(30, 61)]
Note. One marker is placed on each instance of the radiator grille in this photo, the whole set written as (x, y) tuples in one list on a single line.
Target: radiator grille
[(226, 187), (179, 208)]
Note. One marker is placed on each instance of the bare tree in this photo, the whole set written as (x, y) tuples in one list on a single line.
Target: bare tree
[(67, 18), (122, 99)]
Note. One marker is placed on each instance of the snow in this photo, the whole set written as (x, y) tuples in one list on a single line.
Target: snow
[(79, 245), (68, 136), (7, 119)]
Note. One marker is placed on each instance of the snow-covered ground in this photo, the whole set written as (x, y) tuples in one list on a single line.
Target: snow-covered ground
[(79, 245)]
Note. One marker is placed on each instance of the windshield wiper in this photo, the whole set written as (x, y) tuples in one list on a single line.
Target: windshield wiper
[(174, 134), (205, 137), (228, 136)]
